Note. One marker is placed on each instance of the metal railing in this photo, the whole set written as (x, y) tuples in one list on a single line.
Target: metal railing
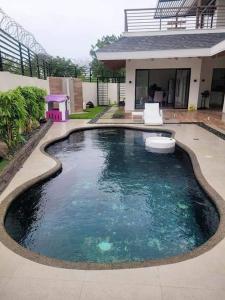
[(175, 18), (17, 58)]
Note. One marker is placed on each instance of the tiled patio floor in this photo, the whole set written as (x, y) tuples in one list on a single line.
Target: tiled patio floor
[(201, 278), (212, 118)]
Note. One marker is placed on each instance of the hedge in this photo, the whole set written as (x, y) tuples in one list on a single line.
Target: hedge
[(21, 110)]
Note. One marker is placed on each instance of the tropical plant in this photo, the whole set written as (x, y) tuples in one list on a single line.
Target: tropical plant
[(13, 117), (98, 68), (31, 106), (40, 98), (20, 110)]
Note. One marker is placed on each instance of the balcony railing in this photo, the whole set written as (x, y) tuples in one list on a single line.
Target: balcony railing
[(174, 18)]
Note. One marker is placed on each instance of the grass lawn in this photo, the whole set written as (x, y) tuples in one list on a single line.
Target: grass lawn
[(3, 163), (89, 113)]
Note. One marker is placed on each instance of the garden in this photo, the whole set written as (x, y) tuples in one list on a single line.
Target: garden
[(22, 111), (89, 113)]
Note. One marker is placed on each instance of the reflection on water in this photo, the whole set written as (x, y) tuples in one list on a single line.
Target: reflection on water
[(113, 202)]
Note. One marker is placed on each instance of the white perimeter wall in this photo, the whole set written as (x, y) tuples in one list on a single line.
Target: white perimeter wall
[(10, 81), (113, 93), (90, 92), (194, 64)]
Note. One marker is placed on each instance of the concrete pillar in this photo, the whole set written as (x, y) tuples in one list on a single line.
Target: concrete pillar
[(130, 88), (195, 84), (206, 78)]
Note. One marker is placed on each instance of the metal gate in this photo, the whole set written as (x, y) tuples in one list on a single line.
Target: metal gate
[(103, 89)]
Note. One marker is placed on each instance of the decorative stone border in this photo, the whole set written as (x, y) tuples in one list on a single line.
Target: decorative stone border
[(217, 200), (9, 171), (212, 130)]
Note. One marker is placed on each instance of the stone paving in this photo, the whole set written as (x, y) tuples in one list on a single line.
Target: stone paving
[(212, 118)]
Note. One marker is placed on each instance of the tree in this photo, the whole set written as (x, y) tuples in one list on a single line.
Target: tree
[(61, 67), (98, 68)]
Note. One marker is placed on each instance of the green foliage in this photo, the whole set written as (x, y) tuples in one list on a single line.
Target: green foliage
[(34, 105), (3, 164), (13, 116), (61, 67), (90, 113), (40, 98), (20, 110), (98, 68), (119, 114)]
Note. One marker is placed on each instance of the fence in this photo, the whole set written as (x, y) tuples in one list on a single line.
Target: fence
[(108, 87), (165, 18), (17, 58)]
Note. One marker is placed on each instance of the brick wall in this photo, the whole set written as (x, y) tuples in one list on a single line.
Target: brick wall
[(78, 95), (71, 86), (56, 85)]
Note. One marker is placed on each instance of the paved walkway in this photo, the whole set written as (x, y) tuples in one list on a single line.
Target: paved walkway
[(109, 113), (199, 278), (214, 119)]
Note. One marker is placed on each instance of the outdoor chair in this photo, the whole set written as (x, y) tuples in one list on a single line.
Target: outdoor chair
[(152, 114)]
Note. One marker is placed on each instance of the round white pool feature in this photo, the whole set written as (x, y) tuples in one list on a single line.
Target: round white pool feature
[(159, 144)]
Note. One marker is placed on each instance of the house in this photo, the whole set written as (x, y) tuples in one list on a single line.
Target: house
[(173, 54)]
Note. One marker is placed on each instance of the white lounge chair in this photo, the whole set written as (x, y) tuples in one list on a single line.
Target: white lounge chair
[(152, 114)]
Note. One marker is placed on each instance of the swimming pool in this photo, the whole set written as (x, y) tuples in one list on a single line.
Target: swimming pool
[(113, 202)]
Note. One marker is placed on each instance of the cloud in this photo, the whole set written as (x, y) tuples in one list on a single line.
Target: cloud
[(68, 28)]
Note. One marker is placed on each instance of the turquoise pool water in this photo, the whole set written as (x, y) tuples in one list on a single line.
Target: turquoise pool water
[(113, 202)]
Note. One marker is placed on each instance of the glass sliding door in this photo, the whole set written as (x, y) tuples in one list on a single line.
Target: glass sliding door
[(218, 89), (142, 79), (182, 88), (169, 87)]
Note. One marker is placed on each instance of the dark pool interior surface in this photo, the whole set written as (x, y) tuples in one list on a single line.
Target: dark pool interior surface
[(113, 202)]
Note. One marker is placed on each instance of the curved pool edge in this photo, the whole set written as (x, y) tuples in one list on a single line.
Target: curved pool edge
[(218, 201)]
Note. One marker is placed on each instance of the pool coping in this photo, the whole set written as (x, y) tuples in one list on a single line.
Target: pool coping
[(15, 247)]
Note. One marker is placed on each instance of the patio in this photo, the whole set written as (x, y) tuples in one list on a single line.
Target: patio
[(214, 119), (202, 277)]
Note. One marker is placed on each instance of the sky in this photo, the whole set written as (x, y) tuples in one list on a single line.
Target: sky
[(68, 28)]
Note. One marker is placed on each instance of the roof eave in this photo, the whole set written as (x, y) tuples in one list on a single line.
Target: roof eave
[(177, 53)]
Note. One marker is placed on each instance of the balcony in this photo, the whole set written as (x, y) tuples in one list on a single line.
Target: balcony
[(175, 18)]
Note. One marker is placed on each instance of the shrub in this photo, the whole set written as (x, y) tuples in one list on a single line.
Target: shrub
[(119, 114), (34, 96), (13, 117), (20, 110), (40, 98), (31, 106)]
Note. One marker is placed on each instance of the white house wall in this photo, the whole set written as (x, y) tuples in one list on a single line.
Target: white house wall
[(194, 64)]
